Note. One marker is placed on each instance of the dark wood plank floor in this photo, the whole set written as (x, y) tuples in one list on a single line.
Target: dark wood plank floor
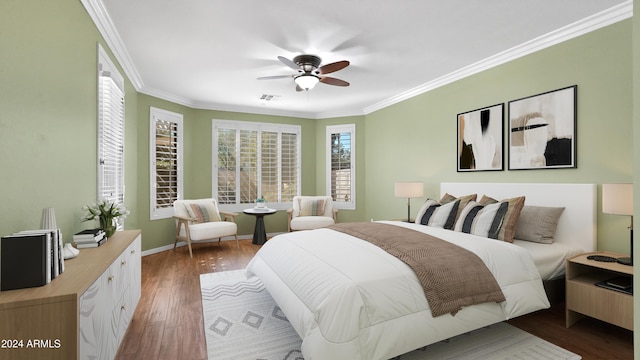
[(168, 321)]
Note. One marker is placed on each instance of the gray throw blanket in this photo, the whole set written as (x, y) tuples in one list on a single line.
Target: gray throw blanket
[(451, 276)]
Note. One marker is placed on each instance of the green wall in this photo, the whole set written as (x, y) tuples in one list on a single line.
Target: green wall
[(48, 96), (416, 139)]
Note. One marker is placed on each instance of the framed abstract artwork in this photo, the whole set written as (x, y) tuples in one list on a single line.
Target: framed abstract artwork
[(542, 130), (480, 139)]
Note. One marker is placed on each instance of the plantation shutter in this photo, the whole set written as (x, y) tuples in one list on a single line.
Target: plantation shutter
[(248, 166), (269, 166), (341, 165), (165, 161), (226, 170), (110, 140), (255, 160), (288, 167)]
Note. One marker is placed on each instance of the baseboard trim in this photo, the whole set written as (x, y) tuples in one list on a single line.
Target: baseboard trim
[(182, 243)]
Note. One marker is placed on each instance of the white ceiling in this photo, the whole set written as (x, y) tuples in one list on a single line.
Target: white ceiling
[(209, 53)]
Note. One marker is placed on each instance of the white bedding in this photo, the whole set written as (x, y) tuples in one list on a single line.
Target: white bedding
[(349, 299), (549, 258)]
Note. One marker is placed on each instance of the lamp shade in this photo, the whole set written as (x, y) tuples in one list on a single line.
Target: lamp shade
[(409, 189), (617, 199)]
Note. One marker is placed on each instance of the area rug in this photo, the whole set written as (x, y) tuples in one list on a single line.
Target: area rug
[(243, 322)]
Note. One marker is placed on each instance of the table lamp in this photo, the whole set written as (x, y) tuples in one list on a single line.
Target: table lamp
[(617, 199), (409, 190)]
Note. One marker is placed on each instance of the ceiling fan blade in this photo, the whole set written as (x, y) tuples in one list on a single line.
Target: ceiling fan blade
[(329, 68), (289, 63), (275, 77), (298, 88), (333, 81)]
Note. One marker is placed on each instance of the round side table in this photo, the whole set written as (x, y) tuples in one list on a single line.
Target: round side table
[(259, 233)]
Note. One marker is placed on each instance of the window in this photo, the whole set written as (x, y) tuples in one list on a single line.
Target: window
[(165, 161), (110, 131), (341, 165), (254, 160)]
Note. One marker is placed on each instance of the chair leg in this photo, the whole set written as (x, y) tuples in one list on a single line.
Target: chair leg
[(188, 233), (237, 242), (177, 235), (189, 245)]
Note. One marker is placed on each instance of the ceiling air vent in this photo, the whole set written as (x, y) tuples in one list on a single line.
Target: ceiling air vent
[(267, 97)]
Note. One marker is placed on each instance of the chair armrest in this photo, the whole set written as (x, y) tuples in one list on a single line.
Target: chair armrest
[(186, 221), (183, 218), (289, 217), (229, 216)]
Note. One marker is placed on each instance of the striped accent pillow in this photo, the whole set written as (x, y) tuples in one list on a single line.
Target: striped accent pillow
[(490, 218), (311, 207), (203, 212), (464, 200), (433, 213)]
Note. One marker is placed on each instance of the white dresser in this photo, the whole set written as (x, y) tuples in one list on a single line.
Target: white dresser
[(82, 314)]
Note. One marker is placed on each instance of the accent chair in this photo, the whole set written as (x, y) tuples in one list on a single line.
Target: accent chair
[(200, 220), (311, 212)]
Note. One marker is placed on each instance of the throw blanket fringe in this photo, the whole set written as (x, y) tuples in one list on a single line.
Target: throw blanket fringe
[(451, 276)]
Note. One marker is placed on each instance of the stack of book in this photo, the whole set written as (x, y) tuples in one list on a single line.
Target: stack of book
[(30, 258), (622, 284), (89, 238)]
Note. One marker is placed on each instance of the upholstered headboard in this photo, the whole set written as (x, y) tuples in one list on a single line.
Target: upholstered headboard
[(577, 224)]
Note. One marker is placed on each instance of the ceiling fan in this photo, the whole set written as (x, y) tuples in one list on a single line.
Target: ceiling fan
[(309, 71)]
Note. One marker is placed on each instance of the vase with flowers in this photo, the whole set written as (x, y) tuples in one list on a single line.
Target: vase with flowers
[(108, 214)]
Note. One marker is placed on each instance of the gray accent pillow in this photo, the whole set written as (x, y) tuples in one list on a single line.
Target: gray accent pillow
[(538, 223)]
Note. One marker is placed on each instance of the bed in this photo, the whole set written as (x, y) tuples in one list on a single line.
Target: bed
[(349, 299)]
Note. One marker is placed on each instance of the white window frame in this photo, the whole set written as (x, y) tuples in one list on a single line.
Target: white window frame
[(110, 132), (162, 212), (335, 129), (259, 127)]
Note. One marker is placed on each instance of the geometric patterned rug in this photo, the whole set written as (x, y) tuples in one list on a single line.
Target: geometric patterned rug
[(243, 322)]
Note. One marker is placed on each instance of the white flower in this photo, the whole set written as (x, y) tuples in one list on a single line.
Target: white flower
[(105, 209)]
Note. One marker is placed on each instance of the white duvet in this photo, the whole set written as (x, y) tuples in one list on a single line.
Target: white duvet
[(349, 299)]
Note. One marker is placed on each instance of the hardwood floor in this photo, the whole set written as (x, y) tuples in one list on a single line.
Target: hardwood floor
[(168, 321)]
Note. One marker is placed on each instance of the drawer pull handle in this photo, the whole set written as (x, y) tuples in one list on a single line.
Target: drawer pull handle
[(124, 262), (123, 307), (111, 278)]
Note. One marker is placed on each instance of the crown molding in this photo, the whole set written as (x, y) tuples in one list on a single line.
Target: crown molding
[(107, 29), (339, 113), (607, 17)]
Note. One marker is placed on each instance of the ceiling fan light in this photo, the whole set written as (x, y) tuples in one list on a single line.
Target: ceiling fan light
[(307, 81)]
